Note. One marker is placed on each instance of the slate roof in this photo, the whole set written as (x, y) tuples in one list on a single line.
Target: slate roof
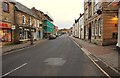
[(24, 9)]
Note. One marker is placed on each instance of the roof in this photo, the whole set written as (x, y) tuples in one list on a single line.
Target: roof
[(24, 9)]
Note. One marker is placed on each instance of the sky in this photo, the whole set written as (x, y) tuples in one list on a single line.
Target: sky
[(64, 12)]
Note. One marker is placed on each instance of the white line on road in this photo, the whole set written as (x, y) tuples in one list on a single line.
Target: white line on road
[(92, 60), (14, 70)]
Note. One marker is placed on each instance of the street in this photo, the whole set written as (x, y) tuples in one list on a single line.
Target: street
[(57, 57)]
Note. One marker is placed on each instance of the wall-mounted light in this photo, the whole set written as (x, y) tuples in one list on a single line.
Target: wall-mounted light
[(115, 18)]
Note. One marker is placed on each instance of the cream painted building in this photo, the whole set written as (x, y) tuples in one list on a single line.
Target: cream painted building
[(81, 26), (76, 28)]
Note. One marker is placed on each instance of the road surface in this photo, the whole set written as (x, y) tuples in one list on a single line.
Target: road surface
[(57, 57)]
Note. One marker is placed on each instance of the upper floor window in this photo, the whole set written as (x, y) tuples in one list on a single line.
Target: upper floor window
[(23, 19), (96, 2), (5, 6), (30, 21), (99, 27)]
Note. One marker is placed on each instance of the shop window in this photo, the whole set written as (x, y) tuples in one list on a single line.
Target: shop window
[(5, 7), (6, 35)]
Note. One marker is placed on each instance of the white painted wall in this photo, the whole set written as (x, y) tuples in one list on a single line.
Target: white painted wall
[(82, 27)]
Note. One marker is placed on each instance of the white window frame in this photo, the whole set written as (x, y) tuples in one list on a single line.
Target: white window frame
[(23, 19), (5, 7), (99, 27)]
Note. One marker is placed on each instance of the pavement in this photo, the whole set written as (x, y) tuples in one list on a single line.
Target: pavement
[(107, 54), (9, 48)]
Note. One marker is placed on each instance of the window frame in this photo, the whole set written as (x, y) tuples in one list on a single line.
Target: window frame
[(5, 3), (23, 19)]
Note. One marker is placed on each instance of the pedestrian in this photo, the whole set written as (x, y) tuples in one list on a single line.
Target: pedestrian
[(31, 38)]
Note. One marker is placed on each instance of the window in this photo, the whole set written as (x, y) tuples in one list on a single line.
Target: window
[(30, 21), (99, 27), (93, 29), (5, 7), (115, 35), (96, 1), (96, 28), (23, 19), (86, 14), (34, 23)]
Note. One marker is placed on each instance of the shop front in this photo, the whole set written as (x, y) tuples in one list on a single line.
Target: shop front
[(25, 31), (5, 32)]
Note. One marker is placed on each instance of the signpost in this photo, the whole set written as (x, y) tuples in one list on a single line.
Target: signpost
[(13, 27)]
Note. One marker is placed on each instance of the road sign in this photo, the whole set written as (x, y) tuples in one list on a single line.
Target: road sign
[(13, 27)]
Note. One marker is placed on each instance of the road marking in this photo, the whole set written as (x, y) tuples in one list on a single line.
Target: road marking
[(99, 67), (14, 70), (92, 59)]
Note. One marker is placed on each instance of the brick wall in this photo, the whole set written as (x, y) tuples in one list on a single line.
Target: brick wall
[(8, 16)]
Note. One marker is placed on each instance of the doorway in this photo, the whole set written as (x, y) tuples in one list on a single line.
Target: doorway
[(90, 32)]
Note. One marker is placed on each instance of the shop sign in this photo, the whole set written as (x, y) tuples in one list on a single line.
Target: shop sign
[(4, 25)]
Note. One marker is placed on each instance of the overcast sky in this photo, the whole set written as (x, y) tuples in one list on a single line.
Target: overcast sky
[(64, 12)]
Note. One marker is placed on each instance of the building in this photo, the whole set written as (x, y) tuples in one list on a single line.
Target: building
[(100, 23), (81, 27), (48, 26), (55, 30), (70, 31), (73, 30), (63, 31), (41, 16), (26, 22), (76, 28), (116, 4), (7, 22)]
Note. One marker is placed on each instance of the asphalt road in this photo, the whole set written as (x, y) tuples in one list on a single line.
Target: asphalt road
[(58, 57)]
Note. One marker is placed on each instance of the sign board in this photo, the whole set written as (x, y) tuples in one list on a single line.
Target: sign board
[(13, 27)]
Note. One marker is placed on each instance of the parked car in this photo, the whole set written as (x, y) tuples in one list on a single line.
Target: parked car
[(57, 35), (52, 37)]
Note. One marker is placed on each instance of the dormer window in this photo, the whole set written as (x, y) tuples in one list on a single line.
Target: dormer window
[(5, 6)]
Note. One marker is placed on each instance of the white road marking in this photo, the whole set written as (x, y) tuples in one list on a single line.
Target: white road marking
[(87, 53), (14, 70)]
